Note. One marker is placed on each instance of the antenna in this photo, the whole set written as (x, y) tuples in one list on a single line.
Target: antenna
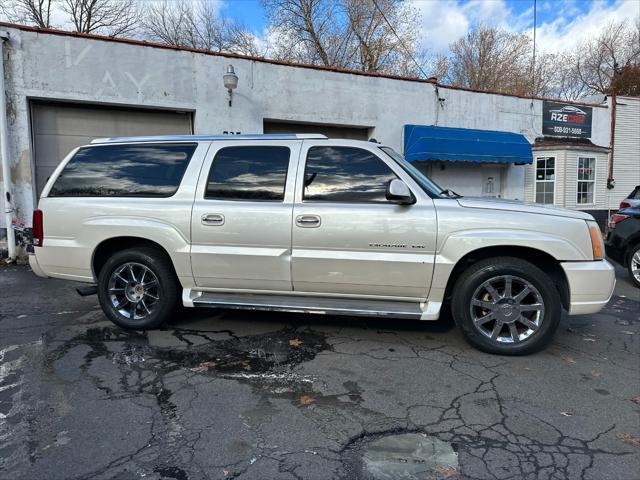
[(533, 62)]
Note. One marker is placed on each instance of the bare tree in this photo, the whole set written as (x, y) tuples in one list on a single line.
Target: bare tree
[(601, 58), (307, 31), (30, 12), (368, 35), (627, 81), (111, 17), (196, 25), (242, 41), (385, 35), (544, 78), (567, 83), (168, 22), (488, 58)]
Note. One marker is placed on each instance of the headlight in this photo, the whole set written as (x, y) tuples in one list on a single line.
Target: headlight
[(597, 243)]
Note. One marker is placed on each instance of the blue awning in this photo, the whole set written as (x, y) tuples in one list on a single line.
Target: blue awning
[(462, 144)]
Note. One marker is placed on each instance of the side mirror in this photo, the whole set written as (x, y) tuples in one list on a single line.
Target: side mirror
[(398, 192)]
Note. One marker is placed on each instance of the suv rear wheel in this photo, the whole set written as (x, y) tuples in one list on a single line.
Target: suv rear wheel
[(633, 264), (506, 306), (138, 288)]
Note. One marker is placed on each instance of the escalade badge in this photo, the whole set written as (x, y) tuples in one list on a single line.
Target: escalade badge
[(394, 245)]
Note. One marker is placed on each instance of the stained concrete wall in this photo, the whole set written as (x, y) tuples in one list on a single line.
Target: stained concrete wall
[(62, 67)]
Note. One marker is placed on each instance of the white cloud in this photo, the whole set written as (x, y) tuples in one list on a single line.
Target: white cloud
[(572, 26), (444, 21)]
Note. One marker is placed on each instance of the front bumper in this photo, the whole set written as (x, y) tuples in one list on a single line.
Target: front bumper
[(615, 253), (591, 285)]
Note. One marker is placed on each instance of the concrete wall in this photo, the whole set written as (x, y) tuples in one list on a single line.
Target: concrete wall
[(69, 68)]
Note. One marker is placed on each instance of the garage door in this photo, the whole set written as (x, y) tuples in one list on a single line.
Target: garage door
[(331, 131), (59, 128)]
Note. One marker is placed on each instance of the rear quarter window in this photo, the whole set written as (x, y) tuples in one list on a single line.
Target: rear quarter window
[(150, 170)]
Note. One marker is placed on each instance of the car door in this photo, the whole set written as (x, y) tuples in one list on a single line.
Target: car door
[(347, 237), (242, 215)]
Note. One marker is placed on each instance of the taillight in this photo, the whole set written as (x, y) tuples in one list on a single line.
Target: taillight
[(37, 231), (615, 219), (624, 205)]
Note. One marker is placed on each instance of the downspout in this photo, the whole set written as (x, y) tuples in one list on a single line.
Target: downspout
[(4, 154), (614, 103)]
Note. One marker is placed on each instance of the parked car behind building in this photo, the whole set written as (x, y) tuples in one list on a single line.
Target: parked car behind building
[(633, 200), (623, 241)]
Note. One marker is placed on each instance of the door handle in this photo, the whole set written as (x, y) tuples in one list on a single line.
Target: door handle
[(212, 219), (308, 221)]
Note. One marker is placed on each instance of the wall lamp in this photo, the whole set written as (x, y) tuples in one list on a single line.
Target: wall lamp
[(230, 82)]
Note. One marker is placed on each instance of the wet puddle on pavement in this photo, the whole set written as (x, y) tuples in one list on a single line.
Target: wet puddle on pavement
[(398, 455), (266, 357)]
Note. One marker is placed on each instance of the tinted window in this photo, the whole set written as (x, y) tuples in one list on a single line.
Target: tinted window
[(345, 174), (248, 173), (635, 194), (428, 185), (124, 171)]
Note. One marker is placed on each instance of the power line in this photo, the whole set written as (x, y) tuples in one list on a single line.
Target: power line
[(375, 3)]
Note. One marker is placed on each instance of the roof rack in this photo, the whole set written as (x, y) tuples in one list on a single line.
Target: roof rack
[(210, 138)]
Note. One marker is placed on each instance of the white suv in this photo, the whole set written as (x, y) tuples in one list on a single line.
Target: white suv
[(302, 223)]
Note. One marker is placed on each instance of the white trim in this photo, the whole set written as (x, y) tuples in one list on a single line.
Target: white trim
[(595, 177), (536, 181)]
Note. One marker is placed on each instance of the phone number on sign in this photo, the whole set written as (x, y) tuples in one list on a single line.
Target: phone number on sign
[(574, 131)]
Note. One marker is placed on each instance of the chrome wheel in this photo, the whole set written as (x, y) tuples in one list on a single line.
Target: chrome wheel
[(507, 309), (635, 266), (134, 290)]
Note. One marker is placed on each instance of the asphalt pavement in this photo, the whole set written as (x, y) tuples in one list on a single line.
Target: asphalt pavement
[(221, 395)]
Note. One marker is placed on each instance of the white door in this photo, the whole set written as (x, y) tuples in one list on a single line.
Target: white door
[(347, 237), (242, 215)]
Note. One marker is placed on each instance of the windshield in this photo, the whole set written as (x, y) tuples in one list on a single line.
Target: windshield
[(428, 185)]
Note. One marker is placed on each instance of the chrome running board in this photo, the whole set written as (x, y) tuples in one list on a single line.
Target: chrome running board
[(302, 304)]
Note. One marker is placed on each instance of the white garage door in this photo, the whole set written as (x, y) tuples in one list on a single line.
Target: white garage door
[(58, 128)]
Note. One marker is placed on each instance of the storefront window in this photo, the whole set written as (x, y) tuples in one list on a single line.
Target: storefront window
[(545, 179), (586, 180)]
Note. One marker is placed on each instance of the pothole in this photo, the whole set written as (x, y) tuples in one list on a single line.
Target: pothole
[(269, 352), (391, 456), (266, 356)]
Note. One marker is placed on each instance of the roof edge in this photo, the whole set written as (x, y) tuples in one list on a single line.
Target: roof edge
[(164, 46), (144, 43), (566, 146)]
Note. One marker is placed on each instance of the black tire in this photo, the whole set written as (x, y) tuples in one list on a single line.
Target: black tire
[(635, 250), (167, 290), (522, 273)]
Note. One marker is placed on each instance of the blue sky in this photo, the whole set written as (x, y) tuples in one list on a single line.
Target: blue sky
[(561, 24), (248, 11)]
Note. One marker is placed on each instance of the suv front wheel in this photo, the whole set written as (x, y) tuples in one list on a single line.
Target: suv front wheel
[(506, 306), (633, 265), (138, 288)]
